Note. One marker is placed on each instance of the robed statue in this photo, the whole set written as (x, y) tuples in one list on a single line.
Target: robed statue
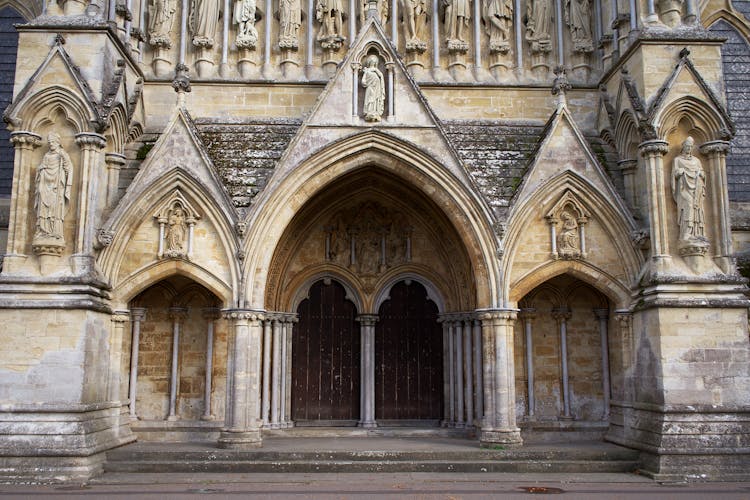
[(372, 80), (689, 191), (53, 186)]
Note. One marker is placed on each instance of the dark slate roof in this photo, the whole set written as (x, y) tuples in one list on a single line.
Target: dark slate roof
[(246, 153)]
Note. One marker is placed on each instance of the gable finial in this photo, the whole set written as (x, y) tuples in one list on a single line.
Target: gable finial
[(181, 83), (560, 86)]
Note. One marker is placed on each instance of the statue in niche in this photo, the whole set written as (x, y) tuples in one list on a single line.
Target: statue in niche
[(568, 242), (539, 25), (369, 252), (176, 232), (381, 8), (290, 20), (244, 18), (204, 17), (329, 14), (415, 19), (160, 16), (53, 186), (498, 18), (578, 19), (457, 15), (339, 243), (372, 80), (689, 191)]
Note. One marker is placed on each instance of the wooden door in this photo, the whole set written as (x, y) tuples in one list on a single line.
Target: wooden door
[(408, 356), (325, 357)]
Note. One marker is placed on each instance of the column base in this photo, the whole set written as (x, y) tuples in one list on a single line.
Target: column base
[(368, 425), (233, 440), (507, 438)]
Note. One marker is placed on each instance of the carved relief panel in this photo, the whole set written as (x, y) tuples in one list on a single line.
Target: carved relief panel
[(176, 219), (567, 220)]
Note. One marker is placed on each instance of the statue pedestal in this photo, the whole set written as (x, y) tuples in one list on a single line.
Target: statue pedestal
[(457, 61), (204, 63), (329, 62), (581, 68), (500, 67), (290, 67), (414, 64), (75, 7), (693, 251), (247, 65), (539, 65), (161, 65), (49, 253)]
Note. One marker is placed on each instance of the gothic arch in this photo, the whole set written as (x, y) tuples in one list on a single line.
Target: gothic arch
[(118, 131), (34, 112), (702, 117), (627, 137), (433, 292), (281, 201), (27, 9), (303, 290), (730, 17)]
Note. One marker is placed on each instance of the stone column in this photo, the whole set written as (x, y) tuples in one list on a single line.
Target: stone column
[(178, 314), (137, 315), (242, 425), (211, 314), (446, 381), (562, 316), (628, 168), (24, 144), (266, 396), (91, 146), (115, 162), (367, 363), (499, 425), (451, 374), (716, 152), (119, 318), (653, 152), (459, 371), (527, 315), (290, 320), (602, 315), (478, 400), (276, 373), (468, 372)]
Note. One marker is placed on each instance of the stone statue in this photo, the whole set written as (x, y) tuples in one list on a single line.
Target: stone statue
[(381, 10), (539, 25), (689, 191), (290, 19), (457, 15), (578, 19), (498, 19), (415, 18), (372, 80), (329, 14), (160, 16), (568, 241), (204, 17), (176, 233), (53, 185), (244, 17)]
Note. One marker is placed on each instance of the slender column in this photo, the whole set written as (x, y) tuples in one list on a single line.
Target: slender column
[(519, 38), (477, 40), (435, 36), (446, 370), (488, 379), (276, 375), (177, 314), (266, 396), (352, 21), (290, 320), (242, 425), (394, 22), (210, 314), (282, 379), (391, 104), (559, 30), (459, 360), (183, 31), (628, 168), (24, 144), (44, 7), (128, 21), (309, 48), (653, 152), (91, 146), (356, 67), (562, 316), (137, 315), (225, 38), (716, 152), (603, 316), (451, 374), (115, 162), (142, 7), (651, 17), (478, 386), (267, 37), (500, 424), (367, 384), (634, 16), (468, 372), (119, 318), (527, 315), (112, 11)]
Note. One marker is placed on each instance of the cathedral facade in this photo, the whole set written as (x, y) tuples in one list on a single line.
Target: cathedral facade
[(522, 220)]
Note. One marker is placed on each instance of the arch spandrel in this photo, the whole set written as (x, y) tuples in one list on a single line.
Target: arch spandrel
[(466, 214)]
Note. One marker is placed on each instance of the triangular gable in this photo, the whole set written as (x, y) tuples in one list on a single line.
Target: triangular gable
[(564, 148), (331, 118), (180, 149)]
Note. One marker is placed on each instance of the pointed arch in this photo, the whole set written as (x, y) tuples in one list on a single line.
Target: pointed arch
[(283, 198), (118, 129), (734, 19), (433, 292), (627, 136), (303, 290), (701, 116), (27, 9), (33, 112)]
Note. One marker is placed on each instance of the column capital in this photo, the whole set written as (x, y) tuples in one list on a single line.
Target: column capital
[(90, 140), (114, 160), (244, 314), (137, 313), (624, 318), (367, 319), (210, 313), (178, 313), (527, 313), (488, 315), (120, 316), (653, 148), (561, 314), (628, 165), (601, 313), (715, 148), (24, 139)]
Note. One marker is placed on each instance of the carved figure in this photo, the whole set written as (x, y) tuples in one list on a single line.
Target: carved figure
[(244, 17), (539, 25), (329, 13), (290, 19), (578, 19), (381, 9), (568, 241), (160, 16), (415, 17), (457, 15), (176, 232), (689, 191), (53, 186), (204, 17), (372, 80), (498, 18)]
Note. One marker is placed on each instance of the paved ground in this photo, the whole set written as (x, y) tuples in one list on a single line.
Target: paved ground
[(344, 486)]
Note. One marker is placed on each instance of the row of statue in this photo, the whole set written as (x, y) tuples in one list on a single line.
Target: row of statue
[(497, 16)]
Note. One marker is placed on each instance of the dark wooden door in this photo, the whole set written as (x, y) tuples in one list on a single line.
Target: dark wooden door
[(325, 357), (408, 356)]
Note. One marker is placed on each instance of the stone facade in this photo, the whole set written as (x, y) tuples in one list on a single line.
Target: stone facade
[(182, 185)]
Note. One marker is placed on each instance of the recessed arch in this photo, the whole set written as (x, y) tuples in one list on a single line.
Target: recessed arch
[(433, 293), (627, 136), (303, 290), (34, 111), (27, 9), (702, 117)]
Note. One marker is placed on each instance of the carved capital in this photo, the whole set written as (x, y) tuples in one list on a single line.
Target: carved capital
[(367, 319), (497, 316), (601, 313), (54, 250), (244, 315), (561, 314), (120, 316), (624, 318), (90, 140), (114, 160), (527, 313), (25, 140), (178, 313), (653, 148), (137, 313), (210, 313), (715, 149), (627, 166)]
